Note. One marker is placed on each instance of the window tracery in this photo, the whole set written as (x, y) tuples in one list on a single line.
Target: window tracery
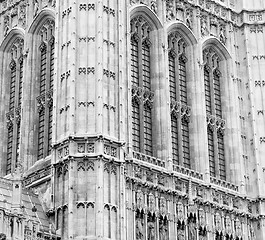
[(142, 95), (180, 111), (215, 122), (45, 97), (14, 104)]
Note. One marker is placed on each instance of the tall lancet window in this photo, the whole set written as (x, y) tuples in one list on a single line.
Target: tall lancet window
[(142, 95), (180, 111), (45, 98), (216, 124), (14, 104)]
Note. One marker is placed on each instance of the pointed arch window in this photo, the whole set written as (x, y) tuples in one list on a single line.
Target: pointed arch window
[(14, 104), (180, 111), (45, 97), (215, 122), (142, 95)]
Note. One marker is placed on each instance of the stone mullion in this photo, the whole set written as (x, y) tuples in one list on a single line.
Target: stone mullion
[(215, 140), (180, 151), (57, 53), (15, 124), (131, 228), (46, 109), (145, 224), (3, 107), (121, 73), (71, 204), (141, 105), (172, 224)]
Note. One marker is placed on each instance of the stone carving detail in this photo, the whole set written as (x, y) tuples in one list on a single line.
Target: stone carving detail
[(256, 29), (138, 172), (2, 236), (151, 231), (151, 203), (181, 230), (238, 227), (163, 206), (6, 24), (85, 148), (85, 165), (228, 225), (109, 10), (218, 222), (111, 151), (63, 152), (87, 7), (139, 225), (86, 70), (180, 211), (45, 99), (146, 96), (192, 233), (169, 10), (10, 119), (139, 199), (189, 18), (202, 217), (36, 7), (163, 229), (180, 110), (204, 27), (252, 235), (152, 4), (222, 34), (149, 176)]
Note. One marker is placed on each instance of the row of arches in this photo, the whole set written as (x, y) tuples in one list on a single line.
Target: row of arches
[(27, 65), (183, 57)]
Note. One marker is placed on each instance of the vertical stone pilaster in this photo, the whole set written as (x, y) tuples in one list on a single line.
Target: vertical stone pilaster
[(71, 201), (99, 67)]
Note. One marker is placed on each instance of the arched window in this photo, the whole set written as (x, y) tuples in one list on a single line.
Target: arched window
[(142, 95), (215, 130), (45, 97), (14, 103), (180, 111)]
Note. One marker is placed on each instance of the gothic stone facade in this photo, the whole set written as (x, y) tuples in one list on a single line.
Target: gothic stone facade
[(135, 119)]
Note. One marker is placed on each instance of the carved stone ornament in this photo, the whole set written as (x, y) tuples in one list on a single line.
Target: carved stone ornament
[(201, 217), (163, 229), (192, 230), (2, 236), (238, 227), (170, 10), (139, 225), (180, 211), (222, 34), (163, 205), (204, 27), (181, 235), (6, 24), (189, 18), (138, 173), (139, 199), (151, 231), (252, 235), (228, 225), (218, 222), (10, 119), (153, 6), (151, 202)]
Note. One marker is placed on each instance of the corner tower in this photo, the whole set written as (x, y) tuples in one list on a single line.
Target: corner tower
[(90, 122)]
